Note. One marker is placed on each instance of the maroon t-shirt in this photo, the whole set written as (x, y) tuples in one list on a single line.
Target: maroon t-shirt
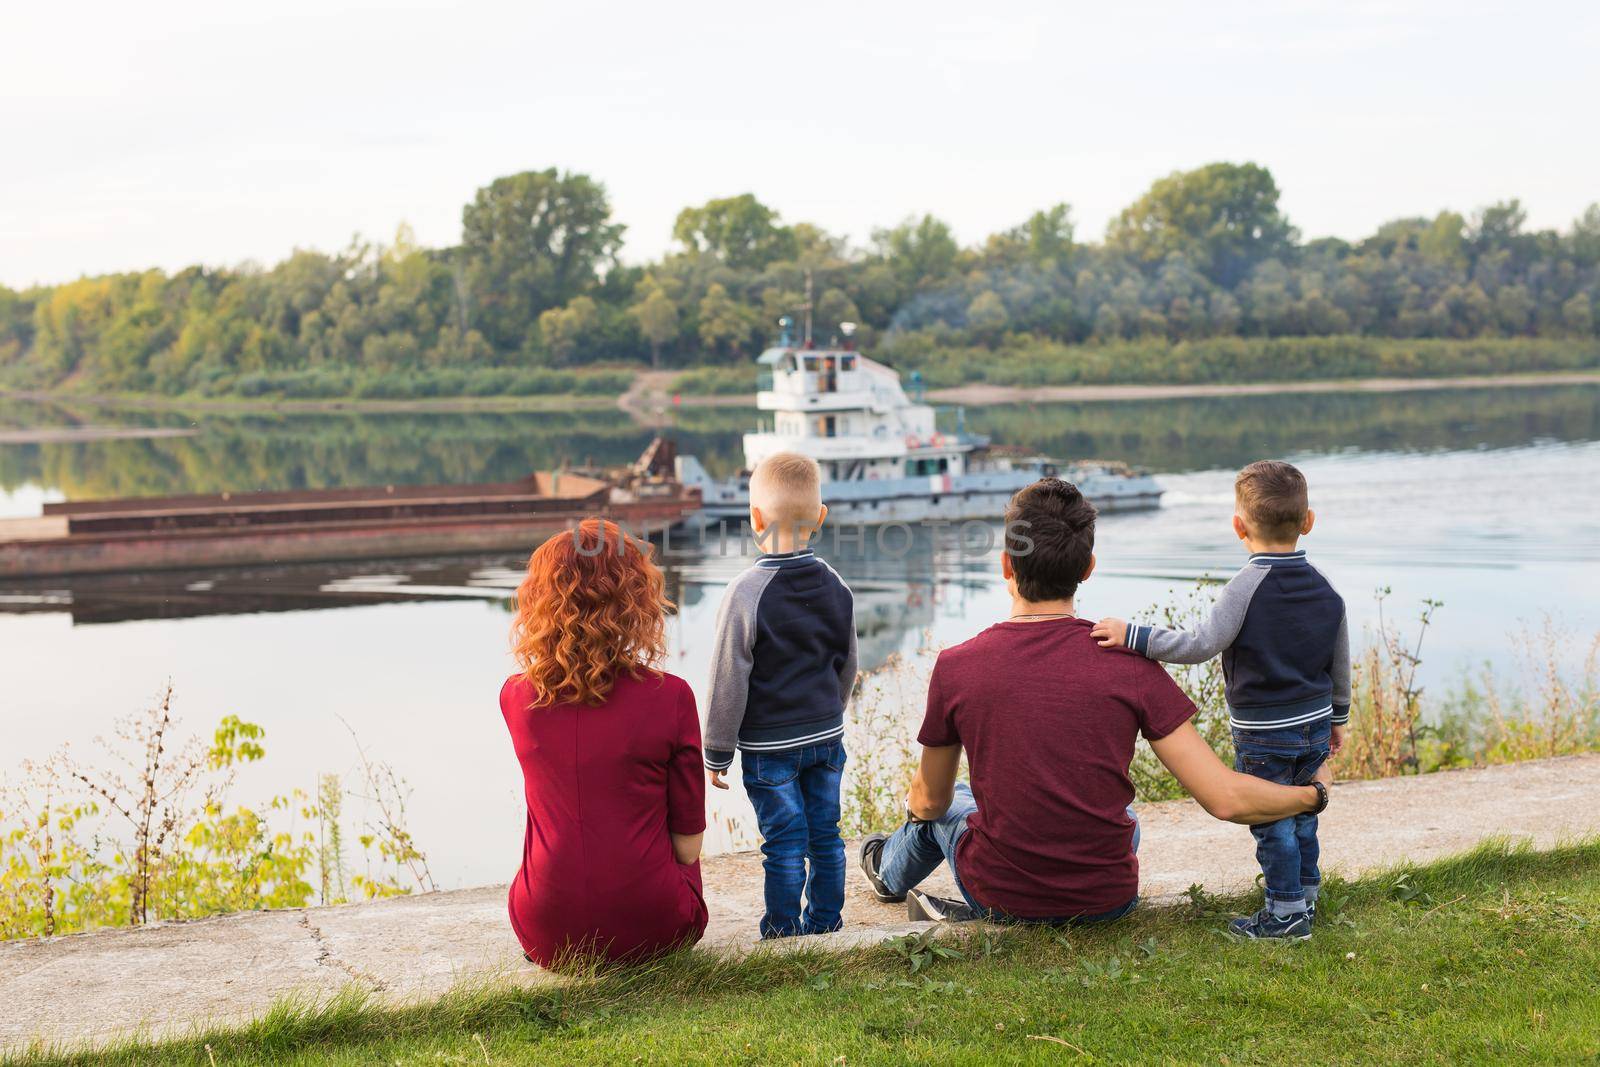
[(1048, 719)]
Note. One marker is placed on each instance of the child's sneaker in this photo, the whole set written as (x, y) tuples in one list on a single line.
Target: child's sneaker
[(1264, 925), (871, 856), (1311, 913)]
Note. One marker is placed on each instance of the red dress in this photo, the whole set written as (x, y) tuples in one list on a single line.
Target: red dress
[(605, 785)]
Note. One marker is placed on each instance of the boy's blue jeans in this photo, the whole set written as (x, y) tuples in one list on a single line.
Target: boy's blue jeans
[(796, 797), (1287, 849), (916, 849)]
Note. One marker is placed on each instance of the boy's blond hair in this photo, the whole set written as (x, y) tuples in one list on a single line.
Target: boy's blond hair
[(787, 487), (1272, 497)]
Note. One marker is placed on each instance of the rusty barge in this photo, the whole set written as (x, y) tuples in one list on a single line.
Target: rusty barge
[(383, 522)]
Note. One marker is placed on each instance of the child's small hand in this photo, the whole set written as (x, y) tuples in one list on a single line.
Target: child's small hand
[(1111, 633), (716, 779), (1336, 740)]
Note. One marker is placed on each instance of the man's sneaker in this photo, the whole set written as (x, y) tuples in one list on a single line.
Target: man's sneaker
[(925, 907), (871, 856), (1264, 925)]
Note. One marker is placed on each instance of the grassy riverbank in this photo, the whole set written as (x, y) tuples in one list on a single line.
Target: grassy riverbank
[(1204, 367), (1486, 957), (1028, 362)]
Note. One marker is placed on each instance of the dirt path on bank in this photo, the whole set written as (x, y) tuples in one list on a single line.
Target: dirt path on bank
[(647, 401), (168, 977)]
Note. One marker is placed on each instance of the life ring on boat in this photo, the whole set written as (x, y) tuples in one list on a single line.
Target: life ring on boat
[(911, 440)]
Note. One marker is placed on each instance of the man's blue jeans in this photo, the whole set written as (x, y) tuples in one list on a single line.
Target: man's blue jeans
[(796, 797), (1287, 850), (916, 849)]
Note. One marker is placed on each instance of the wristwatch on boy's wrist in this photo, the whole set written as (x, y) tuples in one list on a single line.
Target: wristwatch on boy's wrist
[(1322, 798)]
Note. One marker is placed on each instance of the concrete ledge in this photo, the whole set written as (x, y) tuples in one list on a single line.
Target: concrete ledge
[(171, 976)]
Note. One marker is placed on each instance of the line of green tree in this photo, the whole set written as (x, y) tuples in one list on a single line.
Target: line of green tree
[(536, 287)]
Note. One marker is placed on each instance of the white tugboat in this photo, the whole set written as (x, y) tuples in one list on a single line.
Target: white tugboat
[(883, 457)]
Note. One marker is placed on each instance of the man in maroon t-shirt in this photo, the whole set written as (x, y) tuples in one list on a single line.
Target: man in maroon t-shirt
[(1048, 719)]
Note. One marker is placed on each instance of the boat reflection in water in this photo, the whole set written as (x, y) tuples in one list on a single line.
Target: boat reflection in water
[(898, 589)]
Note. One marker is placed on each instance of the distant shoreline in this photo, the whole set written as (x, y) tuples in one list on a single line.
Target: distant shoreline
[(651, 398), (980, 393)]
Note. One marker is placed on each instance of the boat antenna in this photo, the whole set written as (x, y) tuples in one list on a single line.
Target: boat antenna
[(806, 307)]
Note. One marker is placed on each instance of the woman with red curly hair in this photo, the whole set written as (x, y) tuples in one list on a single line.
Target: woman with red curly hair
[(610, 751)]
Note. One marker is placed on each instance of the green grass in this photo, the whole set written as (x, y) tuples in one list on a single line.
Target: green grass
[(1489, 957)]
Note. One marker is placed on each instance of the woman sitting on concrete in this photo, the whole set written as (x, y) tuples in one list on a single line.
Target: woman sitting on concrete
[(610, 752)]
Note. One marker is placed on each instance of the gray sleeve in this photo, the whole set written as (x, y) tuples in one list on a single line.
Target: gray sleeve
[(1339, 671), (847, 673), (1215, 633), (731, 658)]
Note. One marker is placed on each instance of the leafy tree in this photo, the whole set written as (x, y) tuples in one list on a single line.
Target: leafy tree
[(1223, 216), (562, 328), (918, 250), (1045, 240), (530, 242), (1578, 315), (740, 231), (986, 315), (724, 323), (1445, 240), (656, 316), (1584, 239)]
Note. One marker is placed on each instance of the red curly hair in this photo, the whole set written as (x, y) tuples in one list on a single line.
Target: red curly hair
[(592, 607)]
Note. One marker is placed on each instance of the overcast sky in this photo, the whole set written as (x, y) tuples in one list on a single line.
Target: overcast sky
[(164, 134)]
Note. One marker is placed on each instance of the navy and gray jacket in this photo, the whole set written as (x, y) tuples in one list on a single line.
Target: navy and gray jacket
[(1284, 640), (784, 661)]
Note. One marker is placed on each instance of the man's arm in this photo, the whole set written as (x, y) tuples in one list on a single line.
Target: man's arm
[(934, 785), (1227, 794), (731, 658), (1215, 633)]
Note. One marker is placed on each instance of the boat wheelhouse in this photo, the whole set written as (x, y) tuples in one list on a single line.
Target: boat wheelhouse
[(882, 454)]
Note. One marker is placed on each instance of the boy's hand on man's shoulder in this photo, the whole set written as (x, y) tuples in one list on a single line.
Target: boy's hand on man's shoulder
[(1110, 633), (716, 779)]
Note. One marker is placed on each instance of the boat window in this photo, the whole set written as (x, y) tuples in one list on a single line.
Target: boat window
[(847, 363)]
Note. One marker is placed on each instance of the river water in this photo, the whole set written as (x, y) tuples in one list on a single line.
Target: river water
[(1488, 500)]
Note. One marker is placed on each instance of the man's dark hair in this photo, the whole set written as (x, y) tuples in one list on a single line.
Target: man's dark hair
[(1049, 537)]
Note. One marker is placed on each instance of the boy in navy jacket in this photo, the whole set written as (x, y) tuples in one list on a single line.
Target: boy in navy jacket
[(1284, 640), (782, 669)]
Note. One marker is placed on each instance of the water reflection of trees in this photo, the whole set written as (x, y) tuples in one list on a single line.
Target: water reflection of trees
[(1206, 432), (250, 452), (264, 451)]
